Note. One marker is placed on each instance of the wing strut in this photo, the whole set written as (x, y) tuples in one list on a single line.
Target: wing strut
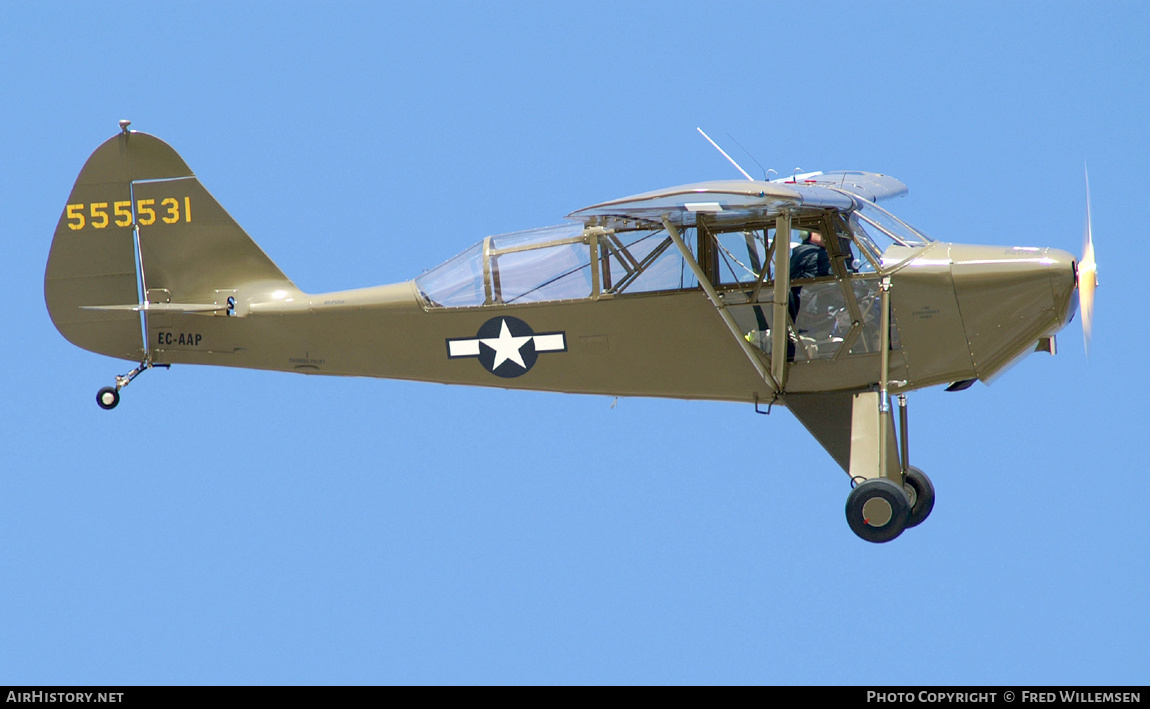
[(720, 307), (782, 296)]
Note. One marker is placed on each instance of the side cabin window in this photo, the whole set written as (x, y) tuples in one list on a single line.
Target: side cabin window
[(737, 257), (645, 261), (833, 303), (533, 266), (566, 262)]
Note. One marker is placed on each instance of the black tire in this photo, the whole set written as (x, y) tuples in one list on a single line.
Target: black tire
[(107, 398), (923, 496), (877, 510)]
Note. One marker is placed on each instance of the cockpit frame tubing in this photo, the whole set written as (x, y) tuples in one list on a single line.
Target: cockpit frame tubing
[(617, 247), (869, 251), (488, 286), (581, 239), (834, 224), (610, 246), (766, 271), (640, 266), (592, 235), (720, 307)]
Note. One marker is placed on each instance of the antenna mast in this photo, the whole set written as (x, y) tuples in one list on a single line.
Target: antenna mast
[(728, 157)]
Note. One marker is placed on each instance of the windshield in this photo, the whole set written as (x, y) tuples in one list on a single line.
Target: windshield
[(877, 230)]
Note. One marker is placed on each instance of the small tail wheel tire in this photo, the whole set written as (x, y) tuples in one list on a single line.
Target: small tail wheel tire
[(107, 398), (877, 510), (921, 492)]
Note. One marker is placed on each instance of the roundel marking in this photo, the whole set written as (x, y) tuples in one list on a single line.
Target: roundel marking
[(506, 346)]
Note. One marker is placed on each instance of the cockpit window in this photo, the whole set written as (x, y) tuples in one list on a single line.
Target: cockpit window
[(741, 255), (577, 261), (644, 261), (553, 263), (458, 283), (890, 225), (877, 231), (566, 262)]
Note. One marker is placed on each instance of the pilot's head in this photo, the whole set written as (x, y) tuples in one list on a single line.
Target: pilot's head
[(814, 237)]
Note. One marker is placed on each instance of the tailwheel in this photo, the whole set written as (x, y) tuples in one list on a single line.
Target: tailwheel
[(921, 493), (107, 398), (877, 510)]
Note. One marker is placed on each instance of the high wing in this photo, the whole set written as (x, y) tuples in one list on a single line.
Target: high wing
[(734, 201), (871, 186)]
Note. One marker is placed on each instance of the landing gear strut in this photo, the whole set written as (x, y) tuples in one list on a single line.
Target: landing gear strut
[(889, 494), (108, 397)]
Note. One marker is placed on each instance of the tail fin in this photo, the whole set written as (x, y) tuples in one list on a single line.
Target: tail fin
[(140, 230)]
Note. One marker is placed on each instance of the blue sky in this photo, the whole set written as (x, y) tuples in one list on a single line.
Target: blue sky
[(229, 526)]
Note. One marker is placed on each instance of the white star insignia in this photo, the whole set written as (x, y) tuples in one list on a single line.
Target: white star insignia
[(506, 346)]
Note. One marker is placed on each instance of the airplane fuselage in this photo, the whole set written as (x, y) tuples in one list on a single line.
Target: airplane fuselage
[(962, 312)]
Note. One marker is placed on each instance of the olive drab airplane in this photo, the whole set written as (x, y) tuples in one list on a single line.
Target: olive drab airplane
[(799, 292)]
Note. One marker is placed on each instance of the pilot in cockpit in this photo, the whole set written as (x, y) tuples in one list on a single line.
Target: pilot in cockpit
[(809, 259)]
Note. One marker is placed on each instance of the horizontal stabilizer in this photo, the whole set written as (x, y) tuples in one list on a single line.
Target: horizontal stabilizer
[(162, 307)]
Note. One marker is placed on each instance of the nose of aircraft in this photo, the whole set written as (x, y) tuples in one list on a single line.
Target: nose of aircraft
[(1063, 282), (1009, 298)]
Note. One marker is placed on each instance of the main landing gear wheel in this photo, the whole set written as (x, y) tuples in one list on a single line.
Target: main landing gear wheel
[(877, 510), (107, 398), (921, 493)]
